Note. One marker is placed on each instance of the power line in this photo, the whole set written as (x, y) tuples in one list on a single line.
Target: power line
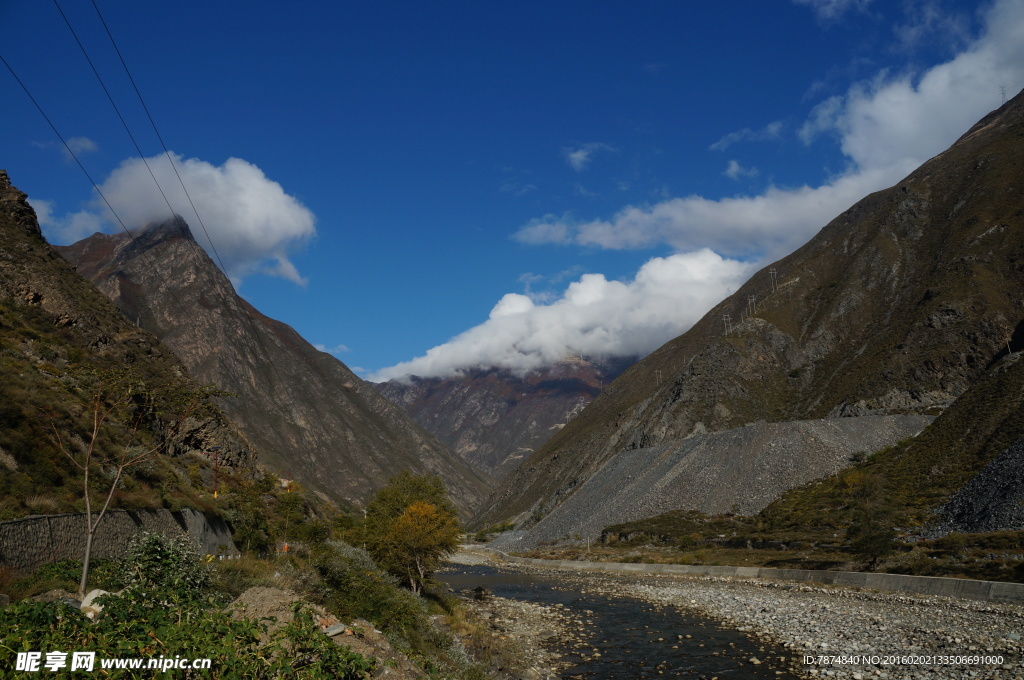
[(167, 153), (82, 167), (110, 98), (158, 135)]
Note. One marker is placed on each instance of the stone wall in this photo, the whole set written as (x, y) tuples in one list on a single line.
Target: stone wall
[(28, 543)]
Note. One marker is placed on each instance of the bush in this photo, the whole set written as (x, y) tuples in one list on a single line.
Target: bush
[(131, 626), (353, 586), (168, 564)]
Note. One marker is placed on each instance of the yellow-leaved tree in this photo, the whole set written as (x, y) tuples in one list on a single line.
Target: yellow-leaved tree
[(411, 525)]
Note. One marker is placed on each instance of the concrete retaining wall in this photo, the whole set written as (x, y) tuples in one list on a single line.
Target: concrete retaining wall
[(921, 585), (26, 544)]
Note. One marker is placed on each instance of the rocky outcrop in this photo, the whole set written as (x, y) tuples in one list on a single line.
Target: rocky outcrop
[(896, 306), (309, 417), (494, 419), (994, 498), (58, 333), (739, 471)]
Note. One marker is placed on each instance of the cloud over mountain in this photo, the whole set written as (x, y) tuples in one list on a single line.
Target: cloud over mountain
[(593, 317), (253, 223)]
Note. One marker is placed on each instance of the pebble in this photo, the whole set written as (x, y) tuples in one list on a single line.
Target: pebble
[(818, 620)]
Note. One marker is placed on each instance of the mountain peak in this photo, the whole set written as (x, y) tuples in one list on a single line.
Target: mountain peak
[(308, 415)]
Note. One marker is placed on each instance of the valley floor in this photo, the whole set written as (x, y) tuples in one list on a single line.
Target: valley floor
[(843, 629)]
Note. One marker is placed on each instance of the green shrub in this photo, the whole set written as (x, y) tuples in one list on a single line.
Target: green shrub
[(130, 626), (167, 564), (353, 586)]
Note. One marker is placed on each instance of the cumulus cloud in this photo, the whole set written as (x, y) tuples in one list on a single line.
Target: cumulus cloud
[(768, 225), (253, 223), (934, 20), (592, 317), (886, 127), (769, 131), (580, 157), (67, 229)]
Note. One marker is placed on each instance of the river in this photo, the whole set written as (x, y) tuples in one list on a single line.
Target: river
[(636, 639)]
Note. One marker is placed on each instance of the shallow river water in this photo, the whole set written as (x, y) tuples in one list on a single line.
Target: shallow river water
[(636, 639)]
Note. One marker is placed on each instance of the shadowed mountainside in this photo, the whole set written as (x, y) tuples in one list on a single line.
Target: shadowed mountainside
[(896, 306), (308, 415), (62, 341)]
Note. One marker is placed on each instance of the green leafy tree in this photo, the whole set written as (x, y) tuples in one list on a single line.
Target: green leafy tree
[(411, 525)]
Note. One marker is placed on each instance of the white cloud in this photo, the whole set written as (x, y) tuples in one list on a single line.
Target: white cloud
[(770, 225), (886, 127), (735, 171), (80, 145), (769, 131), (932, 20), (580, 157), (253, 223), (830, 10), (68, 229), (592, 317)]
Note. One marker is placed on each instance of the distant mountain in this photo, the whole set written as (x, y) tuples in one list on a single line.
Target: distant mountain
[(309, 417), (494, 419), (896, 307)]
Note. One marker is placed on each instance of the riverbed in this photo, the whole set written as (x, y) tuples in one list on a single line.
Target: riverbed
[(604, 636), (789, 629)]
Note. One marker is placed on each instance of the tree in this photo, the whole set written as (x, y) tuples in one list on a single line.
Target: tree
[(117, 397), (410, 526)]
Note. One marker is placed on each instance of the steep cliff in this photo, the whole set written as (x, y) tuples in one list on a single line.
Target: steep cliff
[(896, 306), (308, 415), (62, 341)]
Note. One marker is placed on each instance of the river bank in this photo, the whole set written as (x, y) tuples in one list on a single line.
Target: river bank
[(846, 633)]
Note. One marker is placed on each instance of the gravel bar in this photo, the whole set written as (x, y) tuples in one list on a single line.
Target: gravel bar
[(837, 632)]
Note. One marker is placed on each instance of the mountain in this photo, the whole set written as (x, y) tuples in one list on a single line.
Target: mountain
[(895, 307), (61, 343), (494, 419), (309, 417)]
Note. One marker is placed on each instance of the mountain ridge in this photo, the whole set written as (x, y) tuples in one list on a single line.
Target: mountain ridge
[(896, 306), (309, 416), (493, 418)]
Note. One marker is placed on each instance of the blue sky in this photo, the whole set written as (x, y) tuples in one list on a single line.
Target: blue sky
[(426, 187)]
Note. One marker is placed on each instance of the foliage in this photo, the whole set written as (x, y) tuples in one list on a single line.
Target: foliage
[(168, 572), (354, 586), (170, 564), (872, 538), (410, 525), (131, 627)]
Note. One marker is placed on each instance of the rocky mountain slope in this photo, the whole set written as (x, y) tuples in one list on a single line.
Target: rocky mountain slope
[(60, 341), (494, 419), (309, 417), (896, 306), (739, 471)]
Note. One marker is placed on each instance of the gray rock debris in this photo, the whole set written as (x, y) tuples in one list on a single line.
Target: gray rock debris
[(740, 470)]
